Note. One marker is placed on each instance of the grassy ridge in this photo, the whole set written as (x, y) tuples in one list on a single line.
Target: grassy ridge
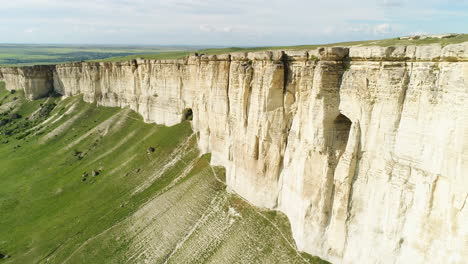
[(384, 43), (21, 55), (162, 206)]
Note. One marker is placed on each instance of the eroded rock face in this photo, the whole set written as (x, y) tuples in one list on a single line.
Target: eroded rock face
[(364, 149), (36, 81)]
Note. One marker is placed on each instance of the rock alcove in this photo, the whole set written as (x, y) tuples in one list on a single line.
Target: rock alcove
[(341, 128), (187, 115)]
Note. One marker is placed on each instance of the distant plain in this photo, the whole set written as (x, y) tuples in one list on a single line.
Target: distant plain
[(33, 54)]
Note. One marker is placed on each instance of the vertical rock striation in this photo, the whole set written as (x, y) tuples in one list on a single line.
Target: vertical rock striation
[(36, 81), (363, 148)]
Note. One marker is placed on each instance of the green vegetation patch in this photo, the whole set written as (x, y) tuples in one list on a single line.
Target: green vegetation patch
[(90, 184), (384, 43), (25, 55), (28, 54)]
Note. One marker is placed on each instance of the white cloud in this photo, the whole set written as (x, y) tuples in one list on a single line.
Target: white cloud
[(210, 28), (329, 30), (30, 30), (220, 22), (206, 28), (382, 29), (392, 3), (365, 28), (418, 33)]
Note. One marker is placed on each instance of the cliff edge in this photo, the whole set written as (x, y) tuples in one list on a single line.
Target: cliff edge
[(365, 149)]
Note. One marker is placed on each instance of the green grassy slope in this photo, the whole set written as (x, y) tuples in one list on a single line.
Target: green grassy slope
[(166, 206)]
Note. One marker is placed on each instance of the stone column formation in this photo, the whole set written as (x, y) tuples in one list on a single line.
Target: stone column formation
[(365, 149)]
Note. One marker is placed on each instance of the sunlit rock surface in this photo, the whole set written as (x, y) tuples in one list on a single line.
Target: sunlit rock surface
[(36, 81), (365, 149)]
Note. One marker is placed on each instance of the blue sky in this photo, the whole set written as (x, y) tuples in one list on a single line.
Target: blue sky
[(223, 22)]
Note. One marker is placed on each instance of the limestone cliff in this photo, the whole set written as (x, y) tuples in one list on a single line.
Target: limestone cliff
[(36, 81), (365, 149)]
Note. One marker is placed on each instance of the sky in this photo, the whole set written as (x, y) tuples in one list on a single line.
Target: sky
[(225, 22)]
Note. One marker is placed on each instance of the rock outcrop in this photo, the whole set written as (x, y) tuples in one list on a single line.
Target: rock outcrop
[(363, 148), (36, 81)]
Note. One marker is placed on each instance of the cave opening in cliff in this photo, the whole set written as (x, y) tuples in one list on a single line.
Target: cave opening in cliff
[(341, 128), (188, 114)]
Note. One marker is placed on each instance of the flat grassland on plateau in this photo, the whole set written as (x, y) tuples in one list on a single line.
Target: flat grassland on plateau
[(82, 183), (32, 54), (384, 42), (23, 55)]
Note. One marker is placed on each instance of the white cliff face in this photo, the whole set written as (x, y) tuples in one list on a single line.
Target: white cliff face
[(35, 81), (398, 191), (365, 150)]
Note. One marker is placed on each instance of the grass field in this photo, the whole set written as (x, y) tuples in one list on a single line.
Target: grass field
[(16, 54), (80, 185), (384, 43)]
